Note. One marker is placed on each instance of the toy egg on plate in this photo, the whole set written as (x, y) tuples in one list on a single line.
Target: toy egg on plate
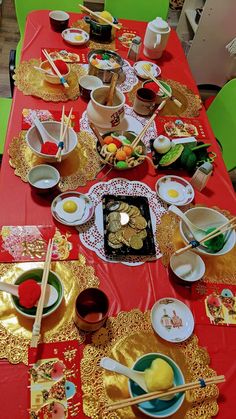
[(75, 36), (174, 190), (103, 63), (118, 152), (150, 67), (171, 373), (34, 141), (72, 208), (51, 76)]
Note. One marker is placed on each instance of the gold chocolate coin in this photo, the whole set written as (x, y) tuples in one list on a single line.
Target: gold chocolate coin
[(113, 216), (114, 226), (115, 246), (128, 232), (123, 207), (136, 243), (113, 239), (139, 222), (142, 234)]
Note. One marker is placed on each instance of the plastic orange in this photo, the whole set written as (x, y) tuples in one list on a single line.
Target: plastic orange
[(128, 150), (108, 139), (120, 155)]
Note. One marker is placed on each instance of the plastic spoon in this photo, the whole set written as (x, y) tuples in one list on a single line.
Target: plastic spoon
[(112, 365), (45, 136), (196, 231), (50, 298)]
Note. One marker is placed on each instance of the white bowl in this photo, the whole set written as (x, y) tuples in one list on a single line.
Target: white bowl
[(188, 266), (33, 139), (106, 116), (53, 79), (43, 178), (205, 218)]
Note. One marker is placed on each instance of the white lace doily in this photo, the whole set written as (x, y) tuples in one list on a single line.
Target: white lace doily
[(130, 77), (92, 233), (131, 122)]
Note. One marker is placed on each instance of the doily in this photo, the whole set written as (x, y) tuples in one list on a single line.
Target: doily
[(92, 234), (133, 121), (130, 79)]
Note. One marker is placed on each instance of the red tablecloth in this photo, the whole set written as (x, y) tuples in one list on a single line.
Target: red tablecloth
[(127, 287)]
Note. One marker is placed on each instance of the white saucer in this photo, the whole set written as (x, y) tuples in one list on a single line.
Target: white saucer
[(177, 185), (69, 35), (155, 70), (88, 212), (172, 320)]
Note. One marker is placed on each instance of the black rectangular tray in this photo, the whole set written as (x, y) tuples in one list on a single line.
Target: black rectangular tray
[(141, 202)]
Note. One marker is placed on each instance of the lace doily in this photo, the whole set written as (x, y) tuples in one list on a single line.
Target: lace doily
[(133, 121), (125, 338), (92, 234), (81, 166), (31, 82), (16, 331)]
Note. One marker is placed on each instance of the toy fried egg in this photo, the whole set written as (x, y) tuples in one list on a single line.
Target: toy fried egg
[(172, 192), (71, 209)]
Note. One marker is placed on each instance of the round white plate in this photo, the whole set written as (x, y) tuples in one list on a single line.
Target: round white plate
[(172, 320), (88, 213), (154, 70), (69, 35), (174, 190)]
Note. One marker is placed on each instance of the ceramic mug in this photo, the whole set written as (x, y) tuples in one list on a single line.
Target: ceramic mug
[(59, 20), (87, 84), (91, 309), (145, 101), (104, 116)]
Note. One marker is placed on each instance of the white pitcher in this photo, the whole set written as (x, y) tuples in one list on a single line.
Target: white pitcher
[(156, 37)]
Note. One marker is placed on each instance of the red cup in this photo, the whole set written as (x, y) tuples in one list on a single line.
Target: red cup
[(91, 309)]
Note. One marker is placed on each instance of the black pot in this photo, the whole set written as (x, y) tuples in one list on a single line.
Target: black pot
[(99, 32)]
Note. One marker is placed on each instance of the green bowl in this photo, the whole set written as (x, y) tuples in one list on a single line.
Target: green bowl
[(36, 274), (157, 408)]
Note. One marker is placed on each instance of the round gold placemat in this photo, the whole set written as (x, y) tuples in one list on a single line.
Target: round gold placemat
[(125, 338), (80, 167), (219, 269), (81, 24), (191, 103), (16, 330), (31, 82)]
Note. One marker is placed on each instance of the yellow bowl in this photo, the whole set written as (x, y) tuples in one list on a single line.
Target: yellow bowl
[(53, 79)]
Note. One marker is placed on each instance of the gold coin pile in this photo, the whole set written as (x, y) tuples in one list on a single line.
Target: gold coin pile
[(126, 226)]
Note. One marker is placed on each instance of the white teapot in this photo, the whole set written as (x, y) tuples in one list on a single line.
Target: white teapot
[(156, 37)]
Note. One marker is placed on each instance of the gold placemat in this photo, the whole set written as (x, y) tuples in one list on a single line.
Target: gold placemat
[(219, 269), (80, 167), (81, 24), (31, 82), (125, 338), (16, 330), (191, 103)]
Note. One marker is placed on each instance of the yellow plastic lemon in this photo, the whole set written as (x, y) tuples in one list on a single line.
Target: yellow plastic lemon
[(106, 15), (159, 376), (70, 206)]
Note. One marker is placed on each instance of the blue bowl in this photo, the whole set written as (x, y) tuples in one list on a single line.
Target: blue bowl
[(157, 408)]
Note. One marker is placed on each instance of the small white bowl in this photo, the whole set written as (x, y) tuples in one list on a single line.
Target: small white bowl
[(189, 266), (43, 178), (53, 79), (34, 141), (205, 218)]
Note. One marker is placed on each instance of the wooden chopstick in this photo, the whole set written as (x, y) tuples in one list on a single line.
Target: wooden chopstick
[(220, 230), (111, 91), (99, 17), (39, 311), (52, 64), (140, 135), (63, 144), (157, 394), (162, 88)]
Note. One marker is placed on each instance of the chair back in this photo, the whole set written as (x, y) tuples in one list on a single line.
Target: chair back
[(5, 108), (24, 7), (221, 114), (144, 10)]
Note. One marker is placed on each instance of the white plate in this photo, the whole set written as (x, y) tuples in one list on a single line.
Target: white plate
[(155, 70), (88, 213), (69, 35), (172, 320), (177, 185)]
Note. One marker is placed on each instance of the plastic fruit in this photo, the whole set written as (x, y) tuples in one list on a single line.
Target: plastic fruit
[(111, 148), (109, 139), (120, 155), (128, 150), (172, 155)]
